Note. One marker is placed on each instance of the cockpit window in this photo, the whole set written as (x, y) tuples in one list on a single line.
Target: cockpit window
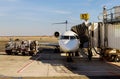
[(72, 37), (64, 37), (69, 37)]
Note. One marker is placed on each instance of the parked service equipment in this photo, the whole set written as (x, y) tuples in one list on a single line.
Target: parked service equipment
[(24, 47)]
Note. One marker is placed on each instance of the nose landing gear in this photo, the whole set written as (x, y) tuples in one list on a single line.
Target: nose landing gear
[(69, 57)]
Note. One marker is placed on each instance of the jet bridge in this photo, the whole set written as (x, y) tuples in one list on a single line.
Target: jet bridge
[(89, 35), (111, 21), (104, 35)]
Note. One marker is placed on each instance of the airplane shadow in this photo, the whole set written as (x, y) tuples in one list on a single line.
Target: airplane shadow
[(94, 69)]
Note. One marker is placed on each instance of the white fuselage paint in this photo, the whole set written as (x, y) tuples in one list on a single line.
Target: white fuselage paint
[(69, 42)]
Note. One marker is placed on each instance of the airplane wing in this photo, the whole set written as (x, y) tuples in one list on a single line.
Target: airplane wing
[(49, 44)]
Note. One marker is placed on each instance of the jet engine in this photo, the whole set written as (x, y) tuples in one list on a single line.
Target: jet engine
[(56, 34)]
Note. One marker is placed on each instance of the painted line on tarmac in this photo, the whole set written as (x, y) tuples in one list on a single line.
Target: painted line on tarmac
[(113, 66), (114, 73), (95, 71), (118, 68), (27, 65)]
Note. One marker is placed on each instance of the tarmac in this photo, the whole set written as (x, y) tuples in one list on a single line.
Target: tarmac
[(50, 65)]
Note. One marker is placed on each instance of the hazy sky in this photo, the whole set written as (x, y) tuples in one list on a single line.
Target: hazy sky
[(35, 17)]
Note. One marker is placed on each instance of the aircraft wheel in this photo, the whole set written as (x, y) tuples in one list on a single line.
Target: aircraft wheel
[(8, 52), (15, 53), (23, 53), (69, 57)]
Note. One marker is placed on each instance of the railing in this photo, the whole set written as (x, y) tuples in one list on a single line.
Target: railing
[(111, 15)]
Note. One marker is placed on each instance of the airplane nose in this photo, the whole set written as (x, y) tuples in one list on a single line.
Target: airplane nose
[(70, 45)]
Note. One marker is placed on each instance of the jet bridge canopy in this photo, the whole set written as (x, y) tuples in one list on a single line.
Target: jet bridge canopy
[(81, 31)]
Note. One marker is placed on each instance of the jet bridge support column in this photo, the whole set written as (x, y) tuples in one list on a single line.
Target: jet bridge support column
[(89, 45), (105, 27)]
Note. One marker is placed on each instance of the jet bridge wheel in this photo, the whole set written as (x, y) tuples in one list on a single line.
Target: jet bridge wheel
[(117, 59)]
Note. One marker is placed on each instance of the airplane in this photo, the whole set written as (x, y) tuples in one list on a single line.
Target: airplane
[(68, 42)]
